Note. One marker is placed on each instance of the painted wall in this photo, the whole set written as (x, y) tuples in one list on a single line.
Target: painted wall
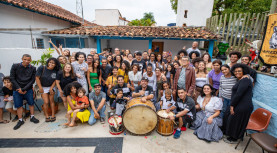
[(265, 96), (12, 17), (107, 17), (198, 12)]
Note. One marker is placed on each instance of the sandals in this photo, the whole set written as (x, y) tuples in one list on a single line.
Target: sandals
[(4, 122), (53, 119), (48, 119)]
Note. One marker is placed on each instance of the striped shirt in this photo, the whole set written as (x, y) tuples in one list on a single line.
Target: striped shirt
[(226, 85)]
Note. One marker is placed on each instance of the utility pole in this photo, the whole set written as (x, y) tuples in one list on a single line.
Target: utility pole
[(273, 7), (79, 9)]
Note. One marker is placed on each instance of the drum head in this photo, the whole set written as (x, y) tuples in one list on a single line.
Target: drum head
[(163, 114), (140, 119)]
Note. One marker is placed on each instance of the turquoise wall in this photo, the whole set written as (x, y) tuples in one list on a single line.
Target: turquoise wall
[(265, 96)]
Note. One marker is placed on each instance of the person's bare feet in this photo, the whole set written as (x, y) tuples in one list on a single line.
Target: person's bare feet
[(71, 125), (66, 124)]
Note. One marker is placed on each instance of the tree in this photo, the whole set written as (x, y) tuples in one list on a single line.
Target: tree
[(147, 20), (149, 16), (174, 4)]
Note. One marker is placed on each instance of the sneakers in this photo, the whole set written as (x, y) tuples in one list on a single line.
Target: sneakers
[(102, 120), (15, 118), (18, 125), (34, 120), (177, 134)]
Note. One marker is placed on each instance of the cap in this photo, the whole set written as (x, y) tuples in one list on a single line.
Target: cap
[(97, 84), (144, 78), (139, 53)]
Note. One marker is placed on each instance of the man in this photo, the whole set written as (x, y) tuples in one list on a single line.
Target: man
[(105, 71), (97, 100), (23, 77), (149, 51), (184, 78), (246, 59), (186, 112), (164, 57), (140, 62), (92, 52), (194, 47), (151, 76), (111, 82), (89, 60), (116, 52), (145, 56), (234, 57), (144, 90), (126, 88)]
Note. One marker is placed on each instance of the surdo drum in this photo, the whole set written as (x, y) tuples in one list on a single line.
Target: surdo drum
[(165, 125)]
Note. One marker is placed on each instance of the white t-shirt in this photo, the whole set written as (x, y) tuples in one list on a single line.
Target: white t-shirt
[(214, 104), (191, 49), (135, 77), (167, 102)]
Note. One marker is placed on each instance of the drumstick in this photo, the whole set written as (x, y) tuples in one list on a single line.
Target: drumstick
[(116, 122), (173, 122)]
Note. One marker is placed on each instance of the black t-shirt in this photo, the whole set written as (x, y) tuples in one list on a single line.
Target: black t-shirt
[(105, 71), (65, 80), (47, 77), (7, 91), (253, 74), (141, 64), (126, 90), (148, 91), (188, 104)]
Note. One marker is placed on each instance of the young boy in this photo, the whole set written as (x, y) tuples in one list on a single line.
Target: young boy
[(2, 103), (167, 100), (120, 102), (8, 97), (82, 99)]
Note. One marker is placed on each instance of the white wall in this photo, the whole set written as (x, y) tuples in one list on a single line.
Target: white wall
[(12, 17), (107, 17), (198, 12)]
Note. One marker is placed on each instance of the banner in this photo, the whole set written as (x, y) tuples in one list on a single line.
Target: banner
[(268, 53)]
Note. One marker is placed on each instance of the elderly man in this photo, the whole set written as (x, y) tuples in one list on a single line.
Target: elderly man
[(144, 90), (194, 48), (184, 78)]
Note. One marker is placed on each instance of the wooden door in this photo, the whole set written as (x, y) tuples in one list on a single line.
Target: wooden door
[(158, 47)]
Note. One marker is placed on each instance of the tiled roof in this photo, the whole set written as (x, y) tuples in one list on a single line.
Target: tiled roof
[(45, 8), (139, 31)]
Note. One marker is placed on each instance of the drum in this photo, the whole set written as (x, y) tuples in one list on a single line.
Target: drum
[(140, 118), (115, 125), (165, 126)]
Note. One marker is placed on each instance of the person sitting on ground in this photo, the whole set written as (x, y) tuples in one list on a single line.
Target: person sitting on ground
[(144, 90), (8, 95), (119, 102), (23, 77), (71, 94), (208, 121), (234, 57), (185, 107), (3, 98), (82, 99), (167, 100), (97, 100)]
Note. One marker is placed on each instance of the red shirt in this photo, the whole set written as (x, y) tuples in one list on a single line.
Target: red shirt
[(84, 99)]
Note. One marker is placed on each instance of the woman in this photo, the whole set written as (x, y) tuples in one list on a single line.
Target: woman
[(193, 55), (130, 58), (195, 63), (125, 54), (62, 59), (169, 72), (59, 50), (118, 61), (96, 57), (200, 79), (93, 74), (71, 94), (124, 70), (215, 74), (65, 77), (135, 76), (208, 60), (110, 60), (45, 79), (241, 104), (80, 68), (159, 62), (207, 121), (159, 84), (71, 59), (152, 60)]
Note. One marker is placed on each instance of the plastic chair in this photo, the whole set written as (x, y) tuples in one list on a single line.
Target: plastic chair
[(265, 141), (258, 121)]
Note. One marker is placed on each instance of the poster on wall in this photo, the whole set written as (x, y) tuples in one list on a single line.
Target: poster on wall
[(268, 53)]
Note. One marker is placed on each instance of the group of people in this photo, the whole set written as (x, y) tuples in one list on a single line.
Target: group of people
[(212, 98)]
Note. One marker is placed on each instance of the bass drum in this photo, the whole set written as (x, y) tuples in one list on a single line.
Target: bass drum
[(140, 118)]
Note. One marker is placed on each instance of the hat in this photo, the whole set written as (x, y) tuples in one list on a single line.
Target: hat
[(144, 78), (97, 84), (139, 53)]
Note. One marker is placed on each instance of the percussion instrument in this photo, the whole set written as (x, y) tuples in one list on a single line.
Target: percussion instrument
[(140, 117), (115, 125), (165, 125)]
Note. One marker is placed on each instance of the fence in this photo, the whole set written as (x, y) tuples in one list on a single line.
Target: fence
[(236, 28)]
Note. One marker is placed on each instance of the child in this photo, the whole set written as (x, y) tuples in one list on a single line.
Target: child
[(167, 100), (8, 97), (120, 102), (2, 103)]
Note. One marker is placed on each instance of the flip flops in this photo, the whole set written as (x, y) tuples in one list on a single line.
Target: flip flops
[(4, 122)]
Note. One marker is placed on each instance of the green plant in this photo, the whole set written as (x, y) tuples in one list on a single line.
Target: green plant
[(44, 57)]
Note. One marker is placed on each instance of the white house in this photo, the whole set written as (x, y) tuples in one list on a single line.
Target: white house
[(193, 12), (109, 17)]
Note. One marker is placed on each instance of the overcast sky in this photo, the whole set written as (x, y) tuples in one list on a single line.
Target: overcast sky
[(131, 9)]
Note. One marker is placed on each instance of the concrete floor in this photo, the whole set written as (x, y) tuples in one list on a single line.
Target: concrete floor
[(188, 143)]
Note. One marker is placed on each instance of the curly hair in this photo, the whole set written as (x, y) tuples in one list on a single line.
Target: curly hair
[(136, 66), (197, 59), (57, 63), (235, 53), (245, 68), (78, 54), (128, 67), (202, 91), (183, 51), (68, 87), (194, 52)]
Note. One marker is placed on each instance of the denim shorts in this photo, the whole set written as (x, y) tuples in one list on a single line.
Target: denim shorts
[(18, 98)]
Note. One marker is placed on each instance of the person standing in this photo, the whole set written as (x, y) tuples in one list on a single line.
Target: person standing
[(140, 62), (234, 57), (23, 77), (215, 74), (246, 59), (194, 47), (105, 70), (150, 74), (111, 82), (93, 74)]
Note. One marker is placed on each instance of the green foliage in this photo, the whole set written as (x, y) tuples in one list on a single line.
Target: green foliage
[(174, 4), (147, 20), (44, 57)]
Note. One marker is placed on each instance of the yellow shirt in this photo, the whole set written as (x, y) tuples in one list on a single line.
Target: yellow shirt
[(111, 80), (121, 72)]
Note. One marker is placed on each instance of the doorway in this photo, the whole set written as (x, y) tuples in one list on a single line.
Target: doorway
[(158, 47)]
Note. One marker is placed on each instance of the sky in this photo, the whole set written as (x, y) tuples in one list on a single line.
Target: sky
[(131, 9)]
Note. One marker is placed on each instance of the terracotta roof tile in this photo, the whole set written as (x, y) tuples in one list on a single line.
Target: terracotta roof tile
[(134, 31), (46, 8)]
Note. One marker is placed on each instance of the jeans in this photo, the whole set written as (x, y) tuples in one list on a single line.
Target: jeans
[(105, 90), (92, 120), (18, 98), (226, 105)]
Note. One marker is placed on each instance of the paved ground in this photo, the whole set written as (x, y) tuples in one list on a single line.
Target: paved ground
[(101, 140)]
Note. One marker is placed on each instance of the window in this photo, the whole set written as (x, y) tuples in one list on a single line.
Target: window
[(40, 44)]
